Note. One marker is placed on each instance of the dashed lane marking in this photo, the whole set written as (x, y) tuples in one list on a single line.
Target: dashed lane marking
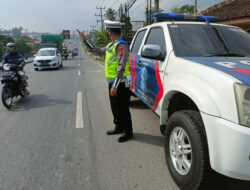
[(79, 112)]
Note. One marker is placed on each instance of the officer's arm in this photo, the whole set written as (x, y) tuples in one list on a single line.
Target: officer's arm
[(122, 57), (90, 45), (97, 50)]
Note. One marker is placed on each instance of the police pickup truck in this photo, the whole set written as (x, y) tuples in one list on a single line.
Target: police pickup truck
[(195, 75)]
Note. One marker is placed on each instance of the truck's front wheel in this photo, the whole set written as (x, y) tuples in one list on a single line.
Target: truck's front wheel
[(186, 151)]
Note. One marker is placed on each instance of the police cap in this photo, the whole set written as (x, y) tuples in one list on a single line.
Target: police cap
[(112, 24)]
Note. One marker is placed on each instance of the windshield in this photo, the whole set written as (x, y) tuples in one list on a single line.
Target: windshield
[(191, 40), (46, 53)]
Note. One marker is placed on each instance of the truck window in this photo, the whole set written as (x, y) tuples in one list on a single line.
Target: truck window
[(156, 37), (138, 41), (191, 40), (235, 39)]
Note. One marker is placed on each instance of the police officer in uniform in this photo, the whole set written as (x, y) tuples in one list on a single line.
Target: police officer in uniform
[(118, 76)]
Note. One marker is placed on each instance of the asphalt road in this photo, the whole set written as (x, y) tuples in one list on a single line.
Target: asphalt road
[(55, 139)]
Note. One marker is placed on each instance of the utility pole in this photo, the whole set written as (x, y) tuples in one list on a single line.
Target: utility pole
[(150, 10), (156, 6), (97, 21), (93, 28), (101, 15), (146, 7), (195, 6)]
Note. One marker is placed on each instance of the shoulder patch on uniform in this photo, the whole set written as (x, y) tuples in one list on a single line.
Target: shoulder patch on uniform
[(120, 50)]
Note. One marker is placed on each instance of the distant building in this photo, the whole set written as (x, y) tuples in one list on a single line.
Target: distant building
[(136, 25), (231, 12)]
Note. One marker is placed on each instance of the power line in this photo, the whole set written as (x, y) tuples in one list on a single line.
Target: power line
[(101, 15), (138, 5), (93, 27)]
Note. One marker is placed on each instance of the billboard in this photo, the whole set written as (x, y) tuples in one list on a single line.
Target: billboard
[(66, 34)]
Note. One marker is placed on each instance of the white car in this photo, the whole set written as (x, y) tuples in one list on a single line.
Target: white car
[(47, 58), (196, 76)]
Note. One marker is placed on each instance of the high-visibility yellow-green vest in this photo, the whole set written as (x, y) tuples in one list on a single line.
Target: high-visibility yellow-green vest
[(111, 62)]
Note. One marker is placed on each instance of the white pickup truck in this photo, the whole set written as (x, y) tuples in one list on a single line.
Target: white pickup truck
[(196, 76)]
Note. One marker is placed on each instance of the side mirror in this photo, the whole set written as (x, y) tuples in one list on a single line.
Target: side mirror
[(152, 52)]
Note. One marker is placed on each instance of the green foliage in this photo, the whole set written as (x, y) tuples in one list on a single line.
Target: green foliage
[(126, 29), (35, 48), (110, 14), (185, 9), (101, 38), (3, 41), (16, 32), (22, 46)]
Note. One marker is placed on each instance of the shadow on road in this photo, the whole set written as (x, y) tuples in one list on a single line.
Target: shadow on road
[(37, 101), (66, 68), (231, 184), (149, 139), (137, 104)]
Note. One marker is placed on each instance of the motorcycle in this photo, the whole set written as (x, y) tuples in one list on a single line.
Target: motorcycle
[(11, 84)]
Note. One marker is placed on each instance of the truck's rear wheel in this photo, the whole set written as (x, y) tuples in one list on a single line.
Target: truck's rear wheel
[(186, 151)]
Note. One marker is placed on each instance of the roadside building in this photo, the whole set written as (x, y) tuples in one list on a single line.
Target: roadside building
[(231, 12)]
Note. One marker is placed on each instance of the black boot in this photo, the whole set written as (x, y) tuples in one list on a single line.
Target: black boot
[(114, 131), (125, 137)]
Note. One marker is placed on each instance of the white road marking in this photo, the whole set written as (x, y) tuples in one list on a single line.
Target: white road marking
[(79, 73), (79, 113), (99, 64), (79, 64)]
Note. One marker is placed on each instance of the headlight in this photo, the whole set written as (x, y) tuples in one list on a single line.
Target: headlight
[(6, 67), (242, 93), (54, 59)]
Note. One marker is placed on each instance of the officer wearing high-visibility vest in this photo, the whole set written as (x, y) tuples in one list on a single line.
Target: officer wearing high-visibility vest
[(118, 76)]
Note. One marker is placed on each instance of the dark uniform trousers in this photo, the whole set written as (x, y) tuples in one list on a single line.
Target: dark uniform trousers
[(120, 109)]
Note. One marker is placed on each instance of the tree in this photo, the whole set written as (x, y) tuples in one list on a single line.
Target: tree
[(5, 39), (126, 28), (185, 9), (110, 14), (101, 38), (16, 32), (35, 48), (22, 46)]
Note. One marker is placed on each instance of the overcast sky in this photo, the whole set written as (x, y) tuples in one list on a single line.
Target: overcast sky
[(56, 15)]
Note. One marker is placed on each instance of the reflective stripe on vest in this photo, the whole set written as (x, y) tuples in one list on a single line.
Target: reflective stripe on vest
[(111, 62)]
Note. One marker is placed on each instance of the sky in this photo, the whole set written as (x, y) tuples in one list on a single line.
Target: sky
[(56, 15)]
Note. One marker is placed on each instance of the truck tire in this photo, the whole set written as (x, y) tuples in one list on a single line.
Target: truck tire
[(186, 151)]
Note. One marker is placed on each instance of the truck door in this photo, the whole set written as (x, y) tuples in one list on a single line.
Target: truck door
[(136, 69), (151, 80)]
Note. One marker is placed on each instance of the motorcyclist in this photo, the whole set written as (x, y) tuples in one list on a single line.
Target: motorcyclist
[(14, 57)]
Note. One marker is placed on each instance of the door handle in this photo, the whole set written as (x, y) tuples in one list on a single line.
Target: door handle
[(139, 63)]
